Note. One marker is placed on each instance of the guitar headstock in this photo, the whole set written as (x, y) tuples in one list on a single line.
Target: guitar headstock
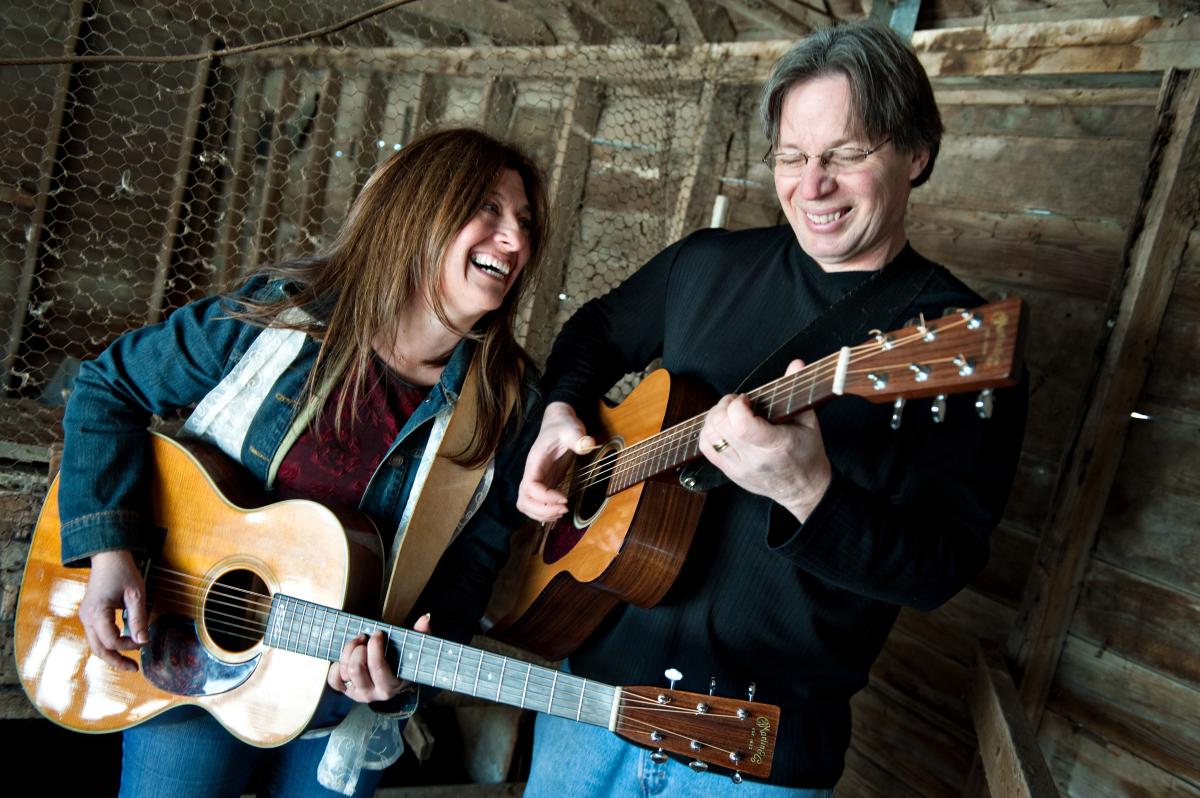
[(964, 350), (729, 733)]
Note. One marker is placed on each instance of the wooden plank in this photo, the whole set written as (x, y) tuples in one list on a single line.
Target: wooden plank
[(1011, 758), (1144, 621), (365, 147), (1150, 521), (698, 186), (182, 177), (925, 681), (1142, 711), (499, 103), (1159, 232), (977, 172), (38, 222), (919, 754), (953, 628), (1078, 123), (1118, 45), (241, 173), (1077, 257), (1086, 764), (581, 114), (863, 778), (316, 171), (279, 156)]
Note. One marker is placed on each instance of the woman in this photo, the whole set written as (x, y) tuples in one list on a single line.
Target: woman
[(328, 377)]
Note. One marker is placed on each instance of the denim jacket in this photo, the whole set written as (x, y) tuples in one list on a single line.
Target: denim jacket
[(174, 364)]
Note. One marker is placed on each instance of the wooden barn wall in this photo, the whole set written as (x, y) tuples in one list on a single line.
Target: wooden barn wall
[(1033, 194)]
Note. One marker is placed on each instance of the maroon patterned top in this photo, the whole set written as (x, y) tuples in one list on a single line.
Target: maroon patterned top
[(333, 469)]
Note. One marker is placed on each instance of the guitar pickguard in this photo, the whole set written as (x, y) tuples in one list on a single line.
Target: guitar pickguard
[(175, 660)]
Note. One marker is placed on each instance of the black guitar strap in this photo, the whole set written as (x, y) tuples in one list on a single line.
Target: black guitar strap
[(875, 303)]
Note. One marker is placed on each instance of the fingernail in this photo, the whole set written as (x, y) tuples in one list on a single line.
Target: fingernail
[(426, 617)]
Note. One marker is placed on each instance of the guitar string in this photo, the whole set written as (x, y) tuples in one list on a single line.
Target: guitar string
[(247, 628), (546, 690), (632, 457)]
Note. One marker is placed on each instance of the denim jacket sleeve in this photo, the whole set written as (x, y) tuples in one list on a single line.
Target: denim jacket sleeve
[(152, 370)]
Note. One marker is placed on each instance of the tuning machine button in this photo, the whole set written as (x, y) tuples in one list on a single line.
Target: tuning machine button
[(920, 372), (938, 408), (658, 757), (983, 403), (698, 766), (673, 675), (966, 365), (897, 412)]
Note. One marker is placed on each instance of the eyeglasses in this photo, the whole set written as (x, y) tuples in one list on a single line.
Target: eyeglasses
[(792, 162)]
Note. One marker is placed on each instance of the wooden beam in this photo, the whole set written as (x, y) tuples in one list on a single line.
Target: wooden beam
[(568, 176), (768, 16), (245, 136), (366, 149), (695, 190), (48, 169), (1012, 761), (497, 22), (683, 14), (193, 123), (498, 104), (1115, 45), (279, 156), (316, 171), (1168, 211)]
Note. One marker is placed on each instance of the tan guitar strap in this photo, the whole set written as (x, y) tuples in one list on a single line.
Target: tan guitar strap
[(447, 490)]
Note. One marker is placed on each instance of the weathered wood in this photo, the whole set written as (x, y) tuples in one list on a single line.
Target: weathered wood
[(47, 169), (1084, 763), (1150, 519), (365, 147), (1123, 44), (192, 126), (863, 778), (581, 113), (978, 172), (1077, 257), (953, 628), (697, 188), (279, 155), (925, 681), (1159, 231), (241, 174), (1011, 758), (917, 753), (499, 103), (1144, 712), (1142, 620), (316, 171)]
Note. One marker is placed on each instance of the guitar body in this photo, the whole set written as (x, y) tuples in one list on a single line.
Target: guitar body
[(627, 547), (198, 653)]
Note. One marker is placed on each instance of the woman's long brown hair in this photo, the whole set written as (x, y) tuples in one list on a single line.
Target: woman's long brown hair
[(388, 254)]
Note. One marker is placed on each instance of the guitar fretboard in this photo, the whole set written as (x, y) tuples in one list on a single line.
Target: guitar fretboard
[(776, 401), (318, 631)]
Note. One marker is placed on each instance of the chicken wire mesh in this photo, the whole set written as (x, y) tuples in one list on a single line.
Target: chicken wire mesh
[(182, 159)]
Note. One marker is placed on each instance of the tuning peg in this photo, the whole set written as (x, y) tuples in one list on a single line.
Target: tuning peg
[(698, 766), (897, 410), (966, 365), (673, 675), (938, 408), (751, 690), (735, 777), (983, 403), (658, 756)]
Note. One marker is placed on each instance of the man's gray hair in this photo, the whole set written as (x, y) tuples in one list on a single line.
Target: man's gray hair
[(889, 91)]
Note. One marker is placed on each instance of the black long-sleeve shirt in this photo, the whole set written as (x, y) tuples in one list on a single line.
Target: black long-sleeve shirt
[(802, 610)]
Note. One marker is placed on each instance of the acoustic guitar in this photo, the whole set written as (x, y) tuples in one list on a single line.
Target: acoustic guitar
[(246, 613), (630, 521)]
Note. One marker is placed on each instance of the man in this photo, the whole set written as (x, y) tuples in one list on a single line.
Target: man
[(832, 521)]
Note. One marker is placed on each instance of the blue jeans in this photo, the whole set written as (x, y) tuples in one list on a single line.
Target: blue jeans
[(185, 753), (576, 760)]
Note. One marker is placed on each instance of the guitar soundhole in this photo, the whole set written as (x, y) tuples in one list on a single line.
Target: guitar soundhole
[(590, 495), (236, 609)]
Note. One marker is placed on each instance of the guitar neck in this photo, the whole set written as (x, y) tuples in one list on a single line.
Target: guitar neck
[(318, 631), (776, 401)]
